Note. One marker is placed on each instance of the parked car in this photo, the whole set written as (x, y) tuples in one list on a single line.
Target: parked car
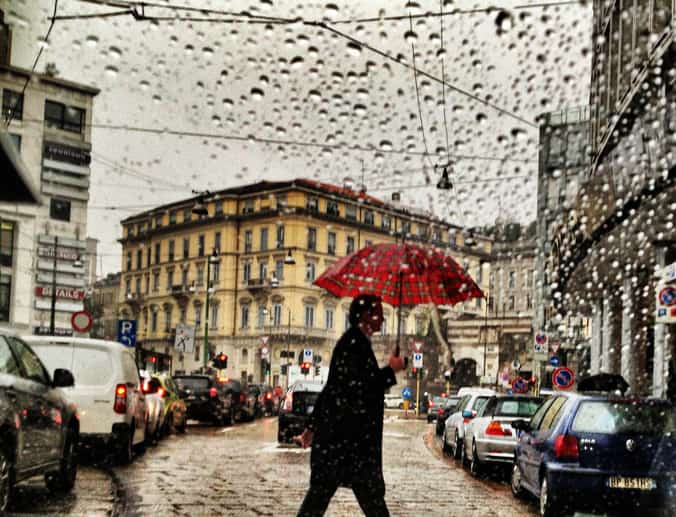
[(107, 391), (175, 410), (454, 427), (489, 438), (444, 411), (38, 425), (393, 401), (248, 403), (268, 400), (296, 409), (433, 404), (205, 398), (233, 389), (154, 407), (597, 452)]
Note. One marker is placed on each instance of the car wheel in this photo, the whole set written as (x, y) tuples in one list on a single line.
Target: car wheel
[(6, 479), (181, 427), (515, 482), (475, 466), (457, 450), (126, 454), (446, 448), (548, 504), (63, 480)]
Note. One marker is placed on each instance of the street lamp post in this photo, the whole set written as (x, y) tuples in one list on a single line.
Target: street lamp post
[(213, 258)]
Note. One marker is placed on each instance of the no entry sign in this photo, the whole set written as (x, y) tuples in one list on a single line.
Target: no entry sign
[(563, 378), (81, 321)]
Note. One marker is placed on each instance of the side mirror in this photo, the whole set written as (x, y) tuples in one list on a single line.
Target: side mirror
[(63, 378), (521, 425), (468, 413)]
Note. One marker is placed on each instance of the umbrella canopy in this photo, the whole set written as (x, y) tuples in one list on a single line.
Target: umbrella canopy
[(400, 274)]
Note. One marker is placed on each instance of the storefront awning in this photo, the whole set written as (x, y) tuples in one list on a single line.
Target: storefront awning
[(17, 186)]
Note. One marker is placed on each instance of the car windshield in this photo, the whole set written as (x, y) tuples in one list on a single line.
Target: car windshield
[(624, 417), (192, 383), (521, 407)]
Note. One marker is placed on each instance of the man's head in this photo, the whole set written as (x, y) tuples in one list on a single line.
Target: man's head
[(366, 312)]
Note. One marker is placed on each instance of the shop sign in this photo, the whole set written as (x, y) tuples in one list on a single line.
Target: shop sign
[(61, 292), (67, 153), (44, 331), (61, 253)]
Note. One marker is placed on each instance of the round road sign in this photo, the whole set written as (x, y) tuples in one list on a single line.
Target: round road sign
[(668, 296), (563, 378), (554, 360), (519, 385), (406, 393), (541, 338), (81, 321)]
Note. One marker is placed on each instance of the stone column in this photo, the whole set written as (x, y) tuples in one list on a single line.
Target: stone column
[(628, 338), (596, 337)]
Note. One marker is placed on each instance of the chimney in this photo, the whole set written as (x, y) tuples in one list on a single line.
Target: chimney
[(5, 41)]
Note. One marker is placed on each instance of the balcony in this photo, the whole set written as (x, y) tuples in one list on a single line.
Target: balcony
[(181, 293), (134, 300), (260, 284)]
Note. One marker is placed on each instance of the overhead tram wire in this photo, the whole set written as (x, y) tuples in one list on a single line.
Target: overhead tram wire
[(443, 77), (417, 95), (325, 26), (12, 111), (109, 162)]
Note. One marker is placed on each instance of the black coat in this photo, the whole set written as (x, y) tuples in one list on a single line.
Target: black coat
[(348, 415)]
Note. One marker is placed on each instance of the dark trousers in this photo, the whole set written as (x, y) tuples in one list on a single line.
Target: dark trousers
[(370, 499)]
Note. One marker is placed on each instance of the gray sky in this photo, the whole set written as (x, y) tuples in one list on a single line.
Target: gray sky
[(306, 86)]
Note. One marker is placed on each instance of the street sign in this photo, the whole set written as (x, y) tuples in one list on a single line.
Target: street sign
[(185, 338), (540, 346), (81, 321), (307, 355), (519, 385), (665, 303), (417, 360), (563, 378), (516, 365), (406, 393), (126, 332), (554, 360), (417, 345), (667, 296), (264, 340), (264, 351)]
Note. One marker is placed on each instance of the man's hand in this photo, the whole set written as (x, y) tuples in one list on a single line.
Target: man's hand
[(396, 363), (304, 439)]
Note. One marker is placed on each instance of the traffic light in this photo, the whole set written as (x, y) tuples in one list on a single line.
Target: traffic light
[(305, 368), (220, 361)]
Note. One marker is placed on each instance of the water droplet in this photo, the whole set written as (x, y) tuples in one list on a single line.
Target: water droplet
[(315, 96), (92, 41), (504, 22), (297, 63), (385, 145), (114, 53), (410, 37), (207, 52), (257, 94), (353, 49), (111, 71)]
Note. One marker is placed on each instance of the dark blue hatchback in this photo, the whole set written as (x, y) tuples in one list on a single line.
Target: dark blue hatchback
[(583, 452)]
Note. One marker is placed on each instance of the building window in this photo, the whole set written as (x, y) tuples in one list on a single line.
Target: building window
[(312, 239), (156, 281), (139, 259), (6, 243), (312, 204), (187, 215), (386, 222), (215, 272), (153, 321), (331, 246), (512, 279), (170, 279), (349, 248), (186, 247), (182, 315), (422, 231), (406, 227), (310, 271), (260, 317), (328, 319), (16, 140), (248, 206), (280, 201), (217, 241), (402, 325), (198, 316), (529, 302), (264, 239), (246, 272), (171, 251), (213, 316), (512, 303), (279, 269), (200, 274), (332, 208), (351, 212), (12, 104), (200, 246), (184, 278), (309, 316), (218, 208), (64, 117), (369, 217), (158, 250), (280, 236), (127, 286), (419, 325), (277, 315), (244, 316), (262, 270), (59, 209), (158, 221), (167, 319), (128, 262), (172, 217), (248, 241), (149, 257)]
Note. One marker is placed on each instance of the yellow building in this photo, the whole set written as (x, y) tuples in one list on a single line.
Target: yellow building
[(263, 245)]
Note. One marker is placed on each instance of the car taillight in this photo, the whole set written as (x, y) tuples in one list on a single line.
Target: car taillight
[(288, 402), (495, 429), (431, 404), (465, 420), (440, 411), (213, 393), (146, 386), (162, 392), (242, 397), (120, 405), (565, 447), (268, 396)]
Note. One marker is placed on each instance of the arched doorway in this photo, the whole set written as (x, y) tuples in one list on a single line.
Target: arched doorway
[(464, 373)]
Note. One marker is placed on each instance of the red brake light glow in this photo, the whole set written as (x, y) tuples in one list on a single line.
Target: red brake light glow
[(268, 395), (495, 429), (161, 392), (566, 448), (213, 392), (120, 405)]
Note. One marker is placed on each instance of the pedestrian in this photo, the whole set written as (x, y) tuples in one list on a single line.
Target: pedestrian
[(346, 427)]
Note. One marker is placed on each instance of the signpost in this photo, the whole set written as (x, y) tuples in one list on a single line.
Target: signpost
[(541, 346), (185, 339), (81, 321), (417, 364), (563, 378), (126, 332), (665, 293), (307, 355)]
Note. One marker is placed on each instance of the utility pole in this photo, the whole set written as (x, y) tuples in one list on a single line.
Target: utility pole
[(288, 352), (52, 315)]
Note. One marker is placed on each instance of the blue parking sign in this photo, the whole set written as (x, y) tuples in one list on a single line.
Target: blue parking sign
[(406, 393), (126, 332)]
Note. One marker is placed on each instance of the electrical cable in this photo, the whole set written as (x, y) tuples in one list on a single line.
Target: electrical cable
[(443, 76), (417, 93)]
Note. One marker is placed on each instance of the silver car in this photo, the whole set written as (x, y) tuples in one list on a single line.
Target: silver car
[(468, 407), (489, 437)]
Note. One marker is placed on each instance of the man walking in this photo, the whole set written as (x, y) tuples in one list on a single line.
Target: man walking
[(346, 428)]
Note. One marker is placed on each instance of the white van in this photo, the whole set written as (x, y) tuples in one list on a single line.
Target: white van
[(107, 391)]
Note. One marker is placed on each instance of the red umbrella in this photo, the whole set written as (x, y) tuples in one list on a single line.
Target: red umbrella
[(400, 274)]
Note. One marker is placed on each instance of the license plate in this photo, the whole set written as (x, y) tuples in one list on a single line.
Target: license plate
[(632, 483)]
